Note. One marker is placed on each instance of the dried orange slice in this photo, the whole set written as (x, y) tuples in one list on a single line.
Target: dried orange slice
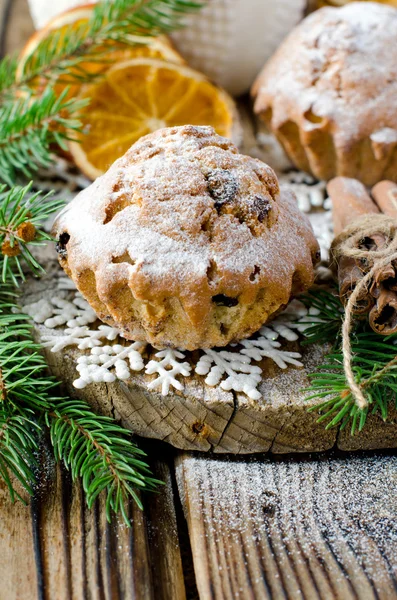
[(142, 95), (322, 3), (159, 48)]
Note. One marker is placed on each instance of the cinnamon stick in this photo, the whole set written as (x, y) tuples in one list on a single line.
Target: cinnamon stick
[(383, 316), (365, 302), (392, 285), (385, 277), (349, 274), (385, 196), (350, 200)]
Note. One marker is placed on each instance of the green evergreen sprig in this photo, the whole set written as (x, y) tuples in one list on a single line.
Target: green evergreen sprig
[(18, 446), (374, 366), (119, 22), (95, 448), (34, 119), (101, 453), (324, 320), (29, 127), (21, 215)]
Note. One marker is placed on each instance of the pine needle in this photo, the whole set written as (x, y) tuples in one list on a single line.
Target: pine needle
[(18, 445), (96, 449), (374, 366), (28, 128)]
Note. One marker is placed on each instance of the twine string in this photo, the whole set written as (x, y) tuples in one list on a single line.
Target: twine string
[(349, 243)]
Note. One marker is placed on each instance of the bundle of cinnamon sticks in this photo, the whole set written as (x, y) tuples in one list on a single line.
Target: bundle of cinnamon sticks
[(378, 299)]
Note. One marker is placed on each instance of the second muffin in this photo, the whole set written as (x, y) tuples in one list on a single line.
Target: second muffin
[(329, 93)]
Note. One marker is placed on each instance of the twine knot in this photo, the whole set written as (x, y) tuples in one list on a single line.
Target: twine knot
[(352, 243)]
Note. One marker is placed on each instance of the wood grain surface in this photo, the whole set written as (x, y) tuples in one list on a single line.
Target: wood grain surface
[(57, 549), (289, 529)]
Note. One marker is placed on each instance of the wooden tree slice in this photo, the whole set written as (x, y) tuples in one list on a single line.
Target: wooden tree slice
[(210, 419)]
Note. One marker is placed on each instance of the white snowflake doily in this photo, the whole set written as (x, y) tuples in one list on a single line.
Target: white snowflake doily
[(168, 368), (96, 366), (313, 200), (108, 357), (309, 192)]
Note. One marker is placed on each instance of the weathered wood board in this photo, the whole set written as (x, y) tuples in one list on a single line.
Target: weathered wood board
[(289, 529), (208, 418), (58, 549), (316, 528)]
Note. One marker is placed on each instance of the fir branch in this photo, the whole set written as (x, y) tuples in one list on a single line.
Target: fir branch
[(93, 447), (19, 366), (21, 216), (19, 362), (18, 445), (324, 320), (28, 128), (374, 366), (119, 22), (101, 453)]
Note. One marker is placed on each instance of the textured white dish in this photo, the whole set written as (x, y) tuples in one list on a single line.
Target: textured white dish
[(230, 40)]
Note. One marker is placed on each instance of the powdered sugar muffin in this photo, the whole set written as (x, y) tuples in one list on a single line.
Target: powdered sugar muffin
[(185, 242), (329, 93)]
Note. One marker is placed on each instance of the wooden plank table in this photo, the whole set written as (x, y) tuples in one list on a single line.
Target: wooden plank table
[(313, 528), (320, 527), (58, 549), (292, 528)]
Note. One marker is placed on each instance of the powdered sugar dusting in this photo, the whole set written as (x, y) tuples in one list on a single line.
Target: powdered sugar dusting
[(300, 519), (180, 204)]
